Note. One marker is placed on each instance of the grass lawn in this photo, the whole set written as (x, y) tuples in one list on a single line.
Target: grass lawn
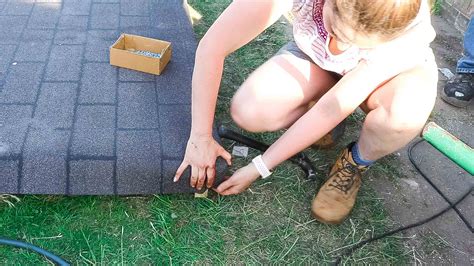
[(268, 224)]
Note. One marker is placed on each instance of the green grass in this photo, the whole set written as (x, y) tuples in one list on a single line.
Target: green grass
[(436, 8), (268, 224)]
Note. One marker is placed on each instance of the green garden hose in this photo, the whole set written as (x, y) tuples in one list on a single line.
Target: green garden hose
[(449, 145)]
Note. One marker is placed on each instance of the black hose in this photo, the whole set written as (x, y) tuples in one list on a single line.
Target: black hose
[(410, 156), (348, 252), (19, 244)]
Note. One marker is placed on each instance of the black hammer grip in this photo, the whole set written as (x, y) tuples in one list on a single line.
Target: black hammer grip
[(299, 159)]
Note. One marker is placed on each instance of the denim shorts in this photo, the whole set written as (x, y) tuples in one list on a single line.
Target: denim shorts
[(292, 49)]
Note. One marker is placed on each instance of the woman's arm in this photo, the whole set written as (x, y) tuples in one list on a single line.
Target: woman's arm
[(339, 102), (241, 22)]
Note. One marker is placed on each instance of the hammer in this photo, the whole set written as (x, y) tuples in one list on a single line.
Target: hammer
[(299, 159)]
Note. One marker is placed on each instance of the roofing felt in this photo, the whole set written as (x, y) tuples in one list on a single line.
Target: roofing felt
[(70, 123)]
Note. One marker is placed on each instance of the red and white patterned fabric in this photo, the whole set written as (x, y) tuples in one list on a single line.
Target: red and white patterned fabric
[(312, 38)]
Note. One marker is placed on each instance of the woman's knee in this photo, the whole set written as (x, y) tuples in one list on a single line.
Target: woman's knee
[(411, 115), (406, 124), (240, 114), (245, 113), (406, 104), (399, 120), (252, 115)]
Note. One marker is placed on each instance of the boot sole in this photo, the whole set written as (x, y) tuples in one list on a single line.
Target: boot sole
[(454, 101), (321, 220)]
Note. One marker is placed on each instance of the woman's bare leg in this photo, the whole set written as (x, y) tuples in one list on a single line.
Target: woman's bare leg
[(277, 93), (397, 111)]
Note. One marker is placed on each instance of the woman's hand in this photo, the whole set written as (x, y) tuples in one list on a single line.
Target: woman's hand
[(201, 154), (239, 181), (249, 18)]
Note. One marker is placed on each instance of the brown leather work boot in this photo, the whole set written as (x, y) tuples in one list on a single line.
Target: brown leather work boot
[(337, 196), (331, 138)]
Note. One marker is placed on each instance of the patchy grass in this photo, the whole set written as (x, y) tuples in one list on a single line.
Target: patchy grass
[(268, 224), (436, 7)]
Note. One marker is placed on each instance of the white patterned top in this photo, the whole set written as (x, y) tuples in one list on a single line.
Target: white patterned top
[(312, 38)]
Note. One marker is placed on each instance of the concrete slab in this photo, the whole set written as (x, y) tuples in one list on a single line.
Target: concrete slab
[(70, 123)]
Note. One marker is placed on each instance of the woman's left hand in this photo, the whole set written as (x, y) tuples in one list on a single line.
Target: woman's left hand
[(239, 181)]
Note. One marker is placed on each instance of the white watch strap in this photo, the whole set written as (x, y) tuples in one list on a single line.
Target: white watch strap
[(261, 167)]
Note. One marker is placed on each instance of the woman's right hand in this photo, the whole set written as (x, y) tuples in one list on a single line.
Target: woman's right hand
[(201, 154)]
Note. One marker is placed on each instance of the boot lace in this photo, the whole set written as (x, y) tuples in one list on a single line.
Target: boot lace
[(345, 177)]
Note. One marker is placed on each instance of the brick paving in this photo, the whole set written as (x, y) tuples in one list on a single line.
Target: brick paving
[(72, 124)]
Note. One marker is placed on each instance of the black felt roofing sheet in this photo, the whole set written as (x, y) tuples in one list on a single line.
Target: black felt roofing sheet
[(70, 123)]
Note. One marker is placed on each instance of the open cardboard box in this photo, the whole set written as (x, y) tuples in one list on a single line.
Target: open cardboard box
[(122, 53)]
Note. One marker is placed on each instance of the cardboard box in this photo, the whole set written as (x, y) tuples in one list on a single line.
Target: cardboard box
[(128, 52)]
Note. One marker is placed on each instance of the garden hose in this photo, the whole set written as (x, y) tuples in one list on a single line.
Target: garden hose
[(456, 150), (19, 244)]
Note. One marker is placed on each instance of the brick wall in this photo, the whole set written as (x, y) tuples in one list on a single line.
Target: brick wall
[(458, 12)]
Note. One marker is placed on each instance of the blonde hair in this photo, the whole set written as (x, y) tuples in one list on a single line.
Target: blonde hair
[(385, 18)]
